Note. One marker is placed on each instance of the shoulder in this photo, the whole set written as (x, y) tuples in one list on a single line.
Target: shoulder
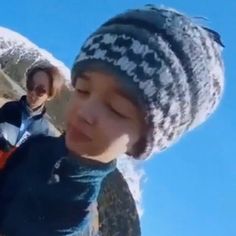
[(35, 151), (35, 142), (41, 139), (10, 112), (23, 152), (46, 144), (40, 145), (10, 105), (51, 129)]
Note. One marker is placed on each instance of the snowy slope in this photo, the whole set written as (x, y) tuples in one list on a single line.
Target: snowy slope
[(15, 49)]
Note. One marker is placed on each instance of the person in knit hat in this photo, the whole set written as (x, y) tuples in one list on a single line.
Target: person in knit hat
[(173, 66), (142, 80)]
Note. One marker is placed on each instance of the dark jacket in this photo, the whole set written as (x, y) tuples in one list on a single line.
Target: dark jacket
[(45, 191), (17, 122)]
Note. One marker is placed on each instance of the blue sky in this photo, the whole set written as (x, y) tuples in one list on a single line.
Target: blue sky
[(191, 188)]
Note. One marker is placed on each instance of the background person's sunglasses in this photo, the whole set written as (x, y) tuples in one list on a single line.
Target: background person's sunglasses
[(39, 90)]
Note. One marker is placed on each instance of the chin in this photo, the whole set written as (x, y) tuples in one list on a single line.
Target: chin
[(67, 140), (71, 145)]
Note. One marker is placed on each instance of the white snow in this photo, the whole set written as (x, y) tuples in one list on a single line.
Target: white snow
[(18, 47)]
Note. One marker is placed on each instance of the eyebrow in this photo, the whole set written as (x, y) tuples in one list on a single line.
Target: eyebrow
[(127, 96), (83, 75)]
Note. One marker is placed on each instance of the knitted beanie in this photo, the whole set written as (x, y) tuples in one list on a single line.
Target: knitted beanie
[(174, 64)]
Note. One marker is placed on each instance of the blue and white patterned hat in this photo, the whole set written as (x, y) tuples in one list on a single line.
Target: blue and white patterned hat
[(171, 61)]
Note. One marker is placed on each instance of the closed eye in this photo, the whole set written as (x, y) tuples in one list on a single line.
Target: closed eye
[(82, 92), (117, 113)]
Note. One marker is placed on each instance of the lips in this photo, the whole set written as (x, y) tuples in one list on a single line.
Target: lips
[(78, 134)]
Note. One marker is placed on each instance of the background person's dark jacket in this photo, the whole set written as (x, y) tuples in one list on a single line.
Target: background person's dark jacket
[(15, 115), (44, 190)]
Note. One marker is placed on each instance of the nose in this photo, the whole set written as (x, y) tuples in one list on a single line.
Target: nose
[(31, 94), (87, 112)]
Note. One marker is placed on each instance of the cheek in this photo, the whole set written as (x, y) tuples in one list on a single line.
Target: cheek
[(122, 141), (115, 141), (40, 100), (70, 111), (115, 131), (70, 144), (44, 98), (129, 134)]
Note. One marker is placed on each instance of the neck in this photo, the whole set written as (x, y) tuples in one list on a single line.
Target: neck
[(32, 111), (100, 158), (35, 108)]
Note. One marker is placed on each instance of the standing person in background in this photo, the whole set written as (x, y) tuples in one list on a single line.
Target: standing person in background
[(26, 117)]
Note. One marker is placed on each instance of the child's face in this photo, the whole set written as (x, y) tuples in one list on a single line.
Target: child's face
[(102, 122)]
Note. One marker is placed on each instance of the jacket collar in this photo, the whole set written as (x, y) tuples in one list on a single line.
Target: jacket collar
[(35, 114)]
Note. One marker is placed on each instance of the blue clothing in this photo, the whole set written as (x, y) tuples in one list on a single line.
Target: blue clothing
[(17, 122), (26, 122), (45, 190)]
